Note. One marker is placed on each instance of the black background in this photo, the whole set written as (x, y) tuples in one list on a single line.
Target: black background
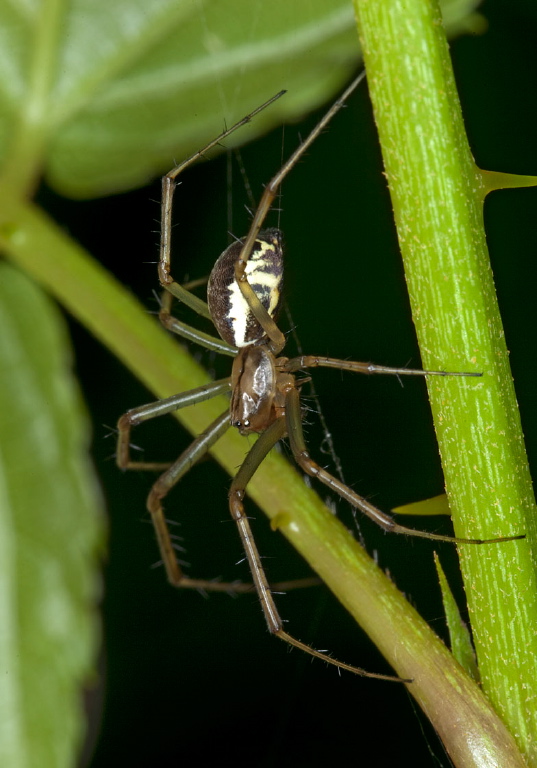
[(189, 679)]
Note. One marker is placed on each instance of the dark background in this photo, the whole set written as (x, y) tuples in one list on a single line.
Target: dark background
[(191, 679)]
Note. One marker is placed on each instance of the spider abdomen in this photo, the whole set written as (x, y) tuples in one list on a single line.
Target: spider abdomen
[(229, 310)]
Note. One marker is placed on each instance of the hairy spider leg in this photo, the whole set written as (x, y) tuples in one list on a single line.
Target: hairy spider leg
[(174, 471), (160, 408), (310, 467), (206, 340), (267, 440), (168, 187), (277, 339)]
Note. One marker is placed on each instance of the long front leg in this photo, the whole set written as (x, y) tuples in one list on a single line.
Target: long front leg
[(315, 361), (304, 460), (261, 448), (168, 187), (271, 190)]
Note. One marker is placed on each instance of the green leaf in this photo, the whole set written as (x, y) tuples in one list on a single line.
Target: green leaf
[(461, 641), (114, 91), (437, 505), (50, 532), (103, 95)]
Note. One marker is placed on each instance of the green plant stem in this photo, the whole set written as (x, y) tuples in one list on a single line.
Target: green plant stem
[(437, 194), (443, 689)]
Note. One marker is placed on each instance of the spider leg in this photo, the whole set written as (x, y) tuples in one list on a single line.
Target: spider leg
[(313, 361), (160, 490), (304, 460), (168, 187), (197, 283), (188, 332), (172, 475), (271, 190), (258, 452), (160, 408)]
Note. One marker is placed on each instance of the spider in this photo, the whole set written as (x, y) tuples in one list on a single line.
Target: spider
[(243, 297)]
